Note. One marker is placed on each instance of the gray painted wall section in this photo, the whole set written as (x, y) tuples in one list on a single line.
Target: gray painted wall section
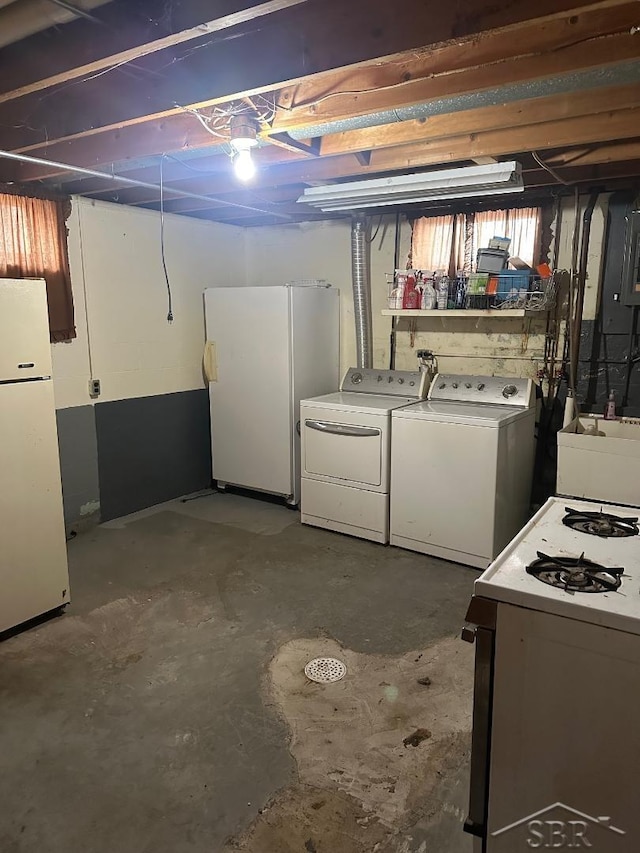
[(126, 455), (78, 445), (152, 449)]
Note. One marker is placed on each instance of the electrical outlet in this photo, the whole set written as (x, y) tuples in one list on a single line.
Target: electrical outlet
[(94, 387)]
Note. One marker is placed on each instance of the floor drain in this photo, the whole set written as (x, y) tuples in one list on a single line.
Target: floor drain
[(325, 670)]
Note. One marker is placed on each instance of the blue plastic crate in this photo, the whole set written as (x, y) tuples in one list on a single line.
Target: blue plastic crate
[(511, 284)]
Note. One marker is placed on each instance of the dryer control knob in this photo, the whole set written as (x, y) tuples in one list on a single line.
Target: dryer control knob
[(356, 378), (379, 378), (412, 384), (467, 385), (509, 391), (442, 385), (401, 381), (480, 386), (454, 385)]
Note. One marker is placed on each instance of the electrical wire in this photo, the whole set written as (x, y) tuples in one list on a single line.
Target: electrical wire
[(162, 248), (371, 239), (548, 168)]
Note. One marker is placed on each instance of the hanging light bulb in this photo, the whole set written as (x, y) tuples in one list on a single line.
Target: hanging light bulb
[(244, 131), (243, 165)]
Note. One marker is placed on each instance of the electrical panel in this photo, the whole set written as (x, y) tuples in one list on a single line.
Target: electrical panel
[(631, 266)]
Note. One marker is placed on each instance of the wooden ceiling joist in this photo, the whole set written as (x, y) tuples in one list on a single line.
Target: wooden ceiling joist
[(499, 143), (341, 91), (596, 38), (131, 54), (504, 116), (542, 48)]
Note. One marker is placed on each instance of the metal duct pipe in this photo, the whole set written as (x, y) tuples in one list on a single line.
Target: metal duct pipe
[(361, 279), (19, 20)]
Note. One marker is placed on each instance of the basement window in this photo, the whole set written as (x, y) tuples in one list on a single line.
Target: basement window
[(451, 242), (33, 244)]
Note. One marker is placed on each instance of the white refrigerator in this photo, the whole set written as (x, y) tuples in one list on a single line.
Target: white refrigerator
[(267, 348), (33, 556)]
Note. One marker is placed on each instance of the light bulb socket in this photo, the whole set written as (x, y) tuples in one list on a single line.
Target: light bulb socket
[(243, 132)]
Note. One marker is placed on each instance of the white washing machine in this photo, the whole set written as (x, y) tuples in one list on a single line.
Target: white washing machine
[(462, 467), (346, 450)]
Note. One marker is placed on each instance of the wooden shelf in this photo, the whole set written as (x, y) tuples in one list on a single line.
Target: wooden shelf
[(454, 312)]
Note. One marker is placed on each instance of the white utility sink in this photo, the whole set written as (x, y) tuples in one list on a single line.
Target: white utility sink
[(600, 467)]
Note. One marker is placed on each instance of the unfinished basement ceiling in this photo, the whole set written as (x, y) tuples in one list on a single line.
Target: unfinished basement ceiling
[(339, 91)]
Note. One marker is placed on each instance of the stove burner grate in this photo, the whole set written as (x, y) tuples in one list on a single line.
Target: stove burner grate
[(575, 574), (601, 524)]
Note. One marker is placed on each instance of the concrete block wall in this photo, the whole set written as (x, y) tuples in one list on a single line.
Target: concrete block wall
[(145, 438), (323, 250)]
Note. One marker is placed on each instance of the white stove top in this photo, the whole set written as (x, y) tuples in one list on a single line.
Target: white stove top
[(507, 579)]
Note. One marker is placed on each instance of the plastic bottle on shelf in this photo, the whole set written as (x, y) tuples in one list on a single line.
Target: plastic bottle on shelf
[(610, 408), (443, 291), (411, 299), (396, 298), (428, 295)]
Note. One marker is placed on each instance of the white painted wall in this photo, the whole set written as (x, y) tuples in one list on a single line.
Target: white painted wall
[(115, 261), (120, 300), (497, 345), (279, 254)]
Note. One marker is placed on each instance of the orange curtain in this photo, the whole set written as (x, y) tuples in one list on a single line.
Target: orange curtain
[(450, 243), (431, 243), (33, 244), (520, 224)]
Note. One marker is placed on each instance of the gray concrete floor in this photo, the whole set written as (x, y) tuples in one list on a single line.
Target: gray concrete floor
[(166, 711)]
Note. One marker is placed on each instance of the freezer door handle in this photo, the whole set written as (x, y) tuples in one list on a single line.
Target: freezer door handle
[(341, 429)]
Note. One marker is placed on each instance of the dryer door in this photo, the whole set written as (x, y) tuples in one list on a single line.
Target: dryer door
[(345, 447)]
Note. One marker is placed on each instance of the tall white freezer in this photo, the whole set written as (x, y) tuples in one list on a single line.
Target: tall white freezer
[(267, 348), (33, 555)]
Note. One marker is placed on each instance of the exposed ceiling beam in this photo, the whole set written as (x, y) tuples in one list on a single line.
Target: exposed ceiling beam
[(610, 152), (162, 189), (535, 51), (287, 194), (570, 132), (123, 57), (504, 116), (334, 37), (184, 132), (311, 149)]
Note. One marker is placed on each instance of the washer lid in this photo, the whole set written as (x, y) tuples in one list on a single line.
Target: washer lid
[(471, 414), (346, 401)]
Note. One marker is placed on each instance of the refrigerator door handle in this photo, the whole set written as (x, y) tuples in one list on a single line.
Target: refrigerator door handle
[(341, 429), (210, 362)]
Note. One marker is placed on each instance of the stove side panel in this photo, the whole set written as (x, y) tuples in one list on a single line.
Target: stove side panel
[(565, 744)]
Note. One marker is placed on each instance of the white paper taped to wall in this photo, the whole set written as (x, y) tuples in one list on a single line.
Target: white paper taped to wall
[(210, 361)]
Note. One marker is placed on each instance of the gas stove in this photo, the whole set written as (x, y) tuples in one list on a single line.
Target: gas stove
[(575, 574), (600, 523), (577, 560)]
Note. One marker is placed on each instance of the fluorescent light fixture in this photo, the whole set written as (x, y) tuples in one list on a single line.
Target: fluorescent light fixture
[(467, 182)]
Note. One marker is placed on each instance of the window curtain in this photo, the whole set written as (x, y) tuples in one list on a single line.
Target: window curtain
[(519, 224), (451, 243), (33, 244), (438, 243)]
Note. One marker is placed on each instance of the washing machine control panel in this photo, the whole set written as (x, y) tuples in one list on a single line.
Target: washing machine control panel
[(413, 384), (497, 390)]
